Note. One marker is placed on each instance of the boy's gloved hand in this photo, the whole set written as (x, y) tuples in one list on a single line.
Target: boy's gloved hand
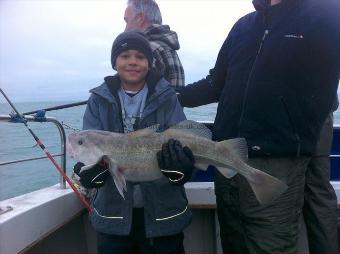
[(92, 177), (176, 162)]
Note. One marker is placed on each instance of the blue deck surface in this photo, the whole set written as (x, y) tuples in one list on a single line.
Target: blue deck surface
[(208, 176)]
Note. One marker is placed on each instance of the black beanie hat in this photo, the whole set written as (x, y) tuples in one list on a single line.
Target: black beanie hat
[(131, 40)]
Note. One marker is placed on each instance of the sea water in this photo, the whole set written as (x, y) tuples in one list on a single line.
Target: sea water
[(17, 143)]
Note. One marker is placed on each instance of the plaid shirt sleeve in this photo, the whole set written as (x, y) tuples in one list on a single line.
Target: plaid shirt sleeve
[(168, 64)]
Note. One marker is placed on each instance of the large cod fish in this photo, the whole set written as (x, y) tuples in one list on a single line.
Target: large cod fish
[(133, 157)]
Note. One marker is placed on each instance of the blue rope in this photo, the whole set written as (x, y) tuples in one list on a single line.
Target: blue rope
[(40, 116), (15, 118)]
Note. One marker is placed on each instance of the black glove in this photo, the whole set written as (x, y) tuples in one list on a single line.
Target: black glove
[(93, 177), (176, 162)]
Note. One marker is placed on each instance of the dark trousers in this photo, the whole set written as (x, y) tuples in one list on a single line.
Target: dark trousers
[(136, 242), (247, 227), (320, 199)]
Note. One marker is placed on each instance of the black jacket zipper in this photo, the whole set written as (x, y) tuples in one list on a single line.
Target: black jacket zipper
[(266, 32)]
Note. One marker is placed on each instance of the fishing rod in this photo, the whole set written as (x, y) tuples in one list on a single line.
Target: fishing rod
[(41, 145), (56, 107)]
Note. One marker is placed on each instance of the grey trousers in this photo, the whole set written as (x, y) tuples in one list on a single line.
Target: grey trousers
[(319, 210), (248, 227)]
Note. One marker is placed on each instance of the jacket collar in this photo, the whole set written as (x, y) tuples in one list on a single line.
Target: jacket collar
[(108, 89), (273, 14)]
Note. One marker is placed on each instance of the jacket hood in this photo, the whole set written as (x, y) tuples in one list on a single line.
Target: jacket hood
[(162, 33), (104, 91), (264, 5), (261, 5)]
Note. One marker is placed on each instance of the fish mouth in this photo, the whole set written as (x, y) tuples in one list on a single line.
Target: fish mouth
[(69, 149), (71, 139)]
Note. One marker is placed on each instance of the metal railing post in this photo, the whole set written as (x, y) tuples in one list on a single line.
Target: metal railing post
[(62, 134), (63, 150)]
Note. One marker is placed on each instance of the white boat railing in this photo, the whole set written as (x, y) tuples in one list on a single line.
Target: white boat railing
[(9, 119)]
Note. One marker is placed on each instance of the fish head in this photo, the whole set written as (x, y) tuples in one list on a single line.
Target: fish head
[(86, 146)]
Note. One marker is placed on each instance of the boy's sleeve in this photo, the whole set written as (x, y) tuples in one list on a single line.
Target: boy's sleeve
[(91, 119), (175, 113)]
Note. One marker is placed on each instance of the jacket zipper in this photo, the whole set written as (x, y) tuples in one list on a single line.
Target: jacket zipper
[(120, 111), (266, 32), (148, 102)]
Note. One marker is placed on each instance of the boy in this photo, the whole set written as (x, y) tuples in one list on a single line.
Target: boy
[(153, 214)]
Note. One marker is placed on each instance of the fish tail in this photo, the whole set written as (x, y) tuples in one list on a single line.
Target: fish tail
[(117, 175), (265, 187)]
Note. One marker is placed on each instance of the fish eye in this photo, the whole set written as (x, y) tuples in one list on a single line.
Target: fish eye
[(80, 142)]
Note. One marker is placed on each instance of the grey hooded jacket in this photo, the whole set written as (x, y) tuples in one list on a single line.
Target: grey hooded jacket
[(166, 210)]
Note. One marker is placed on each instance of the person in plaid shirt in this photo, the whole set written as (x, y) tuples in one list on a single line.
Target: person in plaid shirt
[(144, 15)]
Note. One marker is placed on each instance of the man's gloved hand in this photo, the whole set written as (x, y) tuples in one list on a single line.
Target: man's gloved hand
[(92, 177), (176, 162)]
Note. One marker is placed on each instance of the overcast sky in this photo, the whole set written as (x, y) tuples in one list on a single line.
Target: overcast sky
[(59, 49)]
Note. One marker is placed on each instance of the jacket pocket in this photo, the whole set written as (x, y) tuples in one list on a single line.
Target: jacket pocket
[(108, 203), (170, 201), (292, 123), (272, 115)]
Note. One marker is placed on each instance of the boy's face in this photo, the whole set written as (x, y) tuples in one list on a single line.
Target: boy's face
[(132, 67)]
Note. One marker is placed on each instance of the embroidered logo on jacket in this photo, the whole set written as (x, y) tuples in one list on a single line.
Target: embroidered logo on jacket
[(295, 36)]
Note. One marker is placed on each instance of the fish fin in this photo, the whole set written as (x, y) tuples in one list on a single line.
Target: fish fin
[(86, 167), (203, 163), (192, 128), (266, 187), (227, 172), (144, 132), (237, 146), (202, 167), (116, 174)]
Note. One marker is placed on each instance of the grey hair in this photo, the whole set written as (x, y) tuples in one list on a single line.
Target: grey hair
[(149, 8)]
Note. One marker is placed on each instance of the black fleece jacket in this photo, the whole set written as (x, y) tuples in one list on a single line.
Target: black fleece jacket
[(275, 78)]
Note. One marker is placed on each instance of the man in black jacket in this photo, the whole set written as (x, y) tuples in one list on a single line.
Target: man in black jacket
[(275, 81)]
